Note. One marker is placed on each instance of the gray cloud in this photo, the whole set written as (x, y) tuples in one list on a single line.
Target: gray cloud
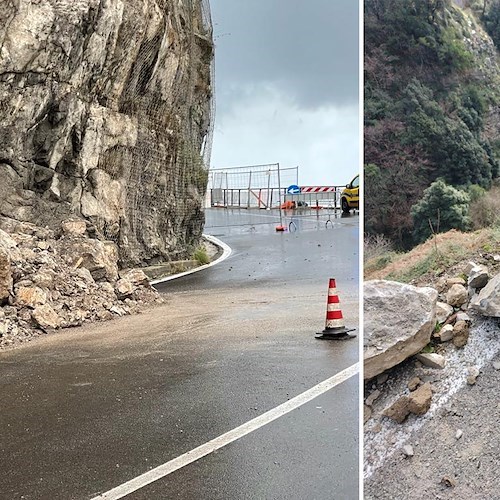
[(306, 50)]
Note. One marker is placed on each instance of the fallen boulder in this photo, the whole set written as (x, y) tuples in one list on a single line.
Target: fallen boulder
[(399, 320), (487, 302)]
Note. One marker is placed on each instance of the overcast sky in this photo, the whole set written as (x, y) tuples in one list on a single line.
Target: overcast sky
[(286, 75)]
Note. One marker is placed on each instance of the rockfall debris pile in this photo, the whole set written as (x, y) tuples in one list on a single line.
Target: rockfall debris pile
[(403, 320), (53, 279)]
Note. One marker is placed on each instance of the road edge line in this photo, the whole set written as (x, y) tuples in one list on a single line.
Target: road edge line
[(226, 252), (219, 442)]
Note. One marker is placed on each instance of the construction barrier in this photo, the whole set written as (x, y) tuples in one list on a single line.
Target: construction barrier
[(334, 328)]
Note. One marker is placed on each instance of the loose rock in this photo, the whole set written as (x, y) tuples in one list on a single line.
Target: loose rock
[(432, 360), (420, 399), (472, 374), (456, 295), (460, 334), (408, 450), (414, 383), (399, 320)]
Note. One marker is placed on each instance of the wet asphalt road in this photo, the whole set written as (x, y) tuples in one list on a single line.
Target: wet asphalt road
[(87, 409)]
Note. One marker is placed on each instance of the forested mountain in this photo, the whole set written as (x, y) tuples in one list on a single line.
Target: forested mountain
[(432, 113)]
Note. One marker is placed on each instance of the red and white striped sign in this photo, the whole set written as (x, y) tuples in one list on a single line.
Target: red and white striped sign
[(317, 189)]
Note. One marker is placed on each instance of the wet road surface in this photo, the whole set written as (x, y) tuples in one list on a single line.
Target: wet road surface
[(87, 409)]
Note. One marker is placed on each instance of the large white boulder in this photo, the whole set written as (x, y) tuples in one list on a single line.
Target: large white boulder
[(398, 322), (487, 302)]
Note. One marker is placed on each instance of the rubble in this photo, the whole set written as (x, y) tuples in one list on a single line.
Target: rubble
[(57, 279)]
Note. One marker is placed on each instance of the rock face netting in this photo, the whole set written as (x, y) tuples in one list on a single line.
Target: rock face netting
[(106, 113)]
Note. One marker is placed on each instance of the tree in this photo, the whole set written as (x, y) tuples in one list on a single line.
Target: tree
[(443, 207)]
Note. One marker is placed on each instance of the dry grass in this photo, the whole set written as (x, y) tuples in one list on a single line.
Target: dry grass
[(485, 211), (445, 253)]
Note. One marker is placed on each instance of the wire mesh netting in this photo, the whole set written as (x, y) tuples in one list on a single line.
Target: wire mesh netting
[(254, 186), (160, 176)]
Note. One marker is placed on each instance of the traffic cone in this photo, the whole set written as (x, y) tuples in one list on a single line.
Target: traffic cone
[(334, 328)]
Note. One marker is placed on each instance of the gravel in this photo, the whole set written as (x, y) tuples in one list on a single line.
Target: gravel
[(456, 443)]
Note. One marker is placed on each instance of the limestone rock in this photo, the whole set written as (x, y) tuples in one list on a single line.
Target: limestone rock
[(46, 317), (443, 311), (367, 413), (487, 302), (463, 316), (399, 320), (420, 400), (106, 109), (399, 410), (408, 450), (472, 374), (124, 288), (431, 359), (445, 334), (30, 296), (478, 276), (6, 281), (456, 295), (99, 257), (460, 333), (372, 397), (74, 227), (414, 383), (135, 276)]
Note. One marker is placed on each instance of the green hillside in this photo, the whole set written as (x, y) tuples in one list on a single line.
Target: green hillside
[(432, 113)]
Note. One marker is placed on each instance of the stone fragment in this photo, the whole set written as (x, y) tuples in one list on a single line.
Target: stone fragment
[(459, 433), (124, 288), (100, 258), (367, 413), (456, 295), (3, 323), (74, 227), (372, 397), (419, 401), (455, 281), (136, 276), (6, 280), (382, 378), (487, 302), (478, 276), (46, 317), (408, 450), (445, 334), (472, 374), (414, 383), (30, 296), (463, 316), (460, 334), (399, 320), (431, 359), (443, 311), (441, 284), (448, 481), (399, 410), (496, 365)]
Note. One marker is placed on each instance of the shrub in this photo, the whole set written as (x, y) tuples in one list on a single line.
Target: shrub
[(443, 207), (201, 256)]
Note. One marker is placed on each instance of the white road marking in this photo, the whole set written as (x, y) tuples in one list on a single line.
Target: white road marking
[(226, 252), (233, 435)]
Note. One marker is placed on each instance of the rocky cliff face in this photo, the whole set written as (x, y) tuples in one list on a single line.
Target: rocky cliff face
[(104, 114)]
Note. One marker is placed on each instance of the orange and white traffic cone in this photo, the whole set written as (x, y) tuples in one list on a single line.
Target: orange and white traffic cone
[(335, 328)]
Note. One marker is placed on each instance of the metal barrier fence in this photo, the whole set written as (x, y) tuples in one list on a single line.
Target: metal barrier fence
[(312, 199), (273, 198)]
